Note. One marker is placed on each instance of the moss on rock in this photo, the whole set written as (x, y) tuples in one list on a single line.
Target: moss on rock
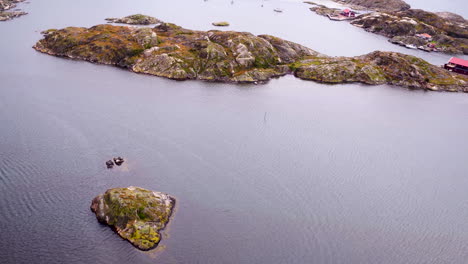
[(173, 52), (136, 214), (221, 24)]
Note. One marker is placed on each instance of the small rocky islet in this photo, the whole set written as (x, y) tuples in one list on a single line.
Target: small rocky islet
[(136, 214), (220, 24), (6, 5), (171, 51)]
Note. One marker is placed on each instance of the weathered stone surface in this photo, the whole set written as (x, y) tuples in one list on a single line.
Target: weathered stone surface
[(379, 68), (136, 214), (448, 35), (9, 4), (379, 5), (137, 19), (227, 56)]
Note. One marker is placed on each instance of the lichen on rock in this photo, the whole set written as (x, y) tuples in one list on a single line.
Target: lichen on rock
[(381, 5), (221, 24), (5, 5), (449, 32), (171, 51), (137, 215)]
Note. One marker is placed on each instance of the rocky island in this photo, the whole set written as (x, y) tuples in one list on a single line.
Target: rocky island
[(379, 5), (7, 5), (137, 19), (171, 51), (443, 32), (412, 28), (136, 214)]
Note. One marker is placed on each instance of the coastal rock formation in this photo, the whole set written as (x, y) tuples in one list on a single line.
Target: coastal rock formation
[(221, 24), (379, 68), (137, 19), (227, 56), (9, 4), (448, 35), (331, 13), (136, 214), (379, 5)]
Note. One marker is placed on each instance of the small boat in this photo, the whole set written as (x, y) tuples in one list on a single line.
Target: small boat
[(118, 161), (411, 46), (109, 164), (278, 10)]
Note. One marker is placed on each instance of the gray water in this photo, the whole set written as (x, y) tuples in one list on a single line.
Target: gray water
[(330, 174)]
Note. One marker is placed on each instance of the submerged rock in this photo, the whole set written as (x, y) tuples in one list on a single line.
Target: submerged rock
[(137, 19), (137, 215), (174, 52)]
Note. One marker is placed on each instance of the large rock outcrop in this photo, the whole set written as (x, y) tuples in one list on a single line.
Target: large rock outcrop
[(381, 68), (449, 32), (377, 5), (227, 56), (136, 214)]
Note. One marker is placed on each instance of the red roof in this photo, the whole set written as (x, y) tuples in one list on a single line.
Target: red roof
[(459, 61), (346, 10), (425, 35)]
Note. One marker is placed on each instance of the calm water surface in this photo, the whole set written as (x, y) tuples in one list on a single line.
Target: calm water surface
[(287, 172)]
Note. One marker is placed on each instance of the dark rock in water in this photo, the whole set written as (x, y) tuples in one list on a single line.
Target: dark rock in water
[(227, 56), (109, 164), (137, 19), (137, 215)]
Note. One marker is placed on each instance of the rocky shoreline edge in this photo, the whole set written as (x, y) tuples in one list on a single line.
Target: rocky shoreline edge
[(6, 5), (412, 28), (173, 52), (136, 214)]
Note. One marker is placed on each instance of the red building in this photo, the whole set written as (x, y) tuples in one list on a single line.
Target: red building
[(424, 36), (457, 65), (348, 13)]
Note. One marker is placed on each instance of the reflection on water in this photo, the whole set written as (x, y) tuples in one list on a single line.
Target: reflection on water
[(333, 174)]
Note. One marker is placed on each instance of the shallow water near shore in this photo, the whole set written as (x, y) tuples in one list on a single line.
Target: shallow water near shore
[(287, 172)]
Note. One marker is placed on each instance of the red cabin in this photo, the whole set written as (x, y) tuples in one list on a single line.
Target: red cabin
[(348, 13), (457, 65)]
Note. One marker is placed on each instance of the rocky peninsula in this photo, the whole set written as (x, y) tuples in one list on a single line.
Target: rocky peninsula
[(380, 5), (136, 214), (443, 32), (170, 51), (412, 28), (7, 5)]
